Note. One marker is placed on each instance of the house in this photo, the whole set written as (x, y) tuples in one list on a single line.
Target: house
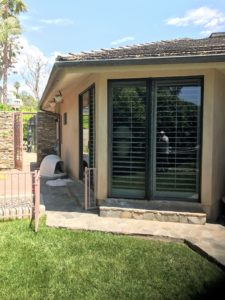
[(14, 102), (155, 115)]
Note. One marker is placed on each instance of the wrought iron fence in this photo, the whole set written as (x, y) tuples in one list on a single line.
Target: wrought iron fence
[(20, 196), (90, 188)]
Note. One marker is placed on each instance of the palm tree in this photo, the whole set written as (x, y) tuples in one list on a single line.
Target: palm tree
[(9, 30), (17, 86), (13, 7)]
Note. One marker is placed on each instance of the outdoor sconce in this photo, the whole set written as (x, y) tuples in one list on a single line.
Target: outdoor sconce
[(58, 98)]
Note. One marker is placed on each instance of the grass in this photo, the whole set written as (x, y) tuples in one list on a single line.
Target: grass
[(62, 264), (85, 121)]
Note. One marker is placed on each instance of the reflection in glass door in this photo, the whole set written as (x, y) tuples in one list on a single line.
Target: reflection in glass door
[(177, 138)]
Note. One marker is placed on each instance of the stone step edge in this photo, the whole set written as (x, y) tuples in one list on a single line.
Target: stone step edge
[(153, 215)]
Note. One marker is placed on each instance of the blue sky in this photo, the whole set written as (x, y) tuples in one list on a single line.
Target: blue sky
[(52, 27), (78, 25)]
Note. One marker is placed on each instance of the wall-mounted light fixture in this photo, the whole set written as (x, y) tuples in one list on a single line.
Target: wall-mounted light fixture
[(58, 97)]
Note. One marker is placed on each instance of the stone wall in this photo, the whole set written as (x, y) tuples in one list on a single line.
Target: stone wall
[(46, 135), (153, 215), (6, 140)]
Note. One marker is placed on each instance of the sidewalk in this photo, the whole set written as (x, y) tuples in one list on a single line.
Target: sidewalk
[(64, 210), (29, 161)]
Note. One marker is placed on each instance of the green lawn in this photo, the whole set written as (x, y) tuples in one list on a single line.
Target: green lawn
[(62, 264), (85, 121)]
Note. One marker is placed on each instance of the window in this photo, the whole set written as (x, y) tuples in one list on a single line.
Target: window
[(155, 138)]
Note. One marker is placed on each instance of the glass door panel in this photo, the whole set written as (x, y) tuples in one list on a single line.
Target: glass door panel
[(177, 138), (87, 130)]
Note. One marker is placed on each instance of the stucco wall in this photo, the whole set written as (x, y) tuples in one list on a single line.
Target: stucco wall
[(6, 140), (206, 182), (218, 170), (213, 145), (207, 145), (70, 131), (213, 126)]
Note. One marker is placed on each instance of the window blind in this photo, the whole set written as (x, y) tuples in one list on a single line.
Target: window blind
[(178, 112), (128, 138)]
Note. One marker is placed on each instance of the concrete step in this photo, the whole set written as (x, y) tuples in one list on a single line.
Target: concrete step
[(158, 210)]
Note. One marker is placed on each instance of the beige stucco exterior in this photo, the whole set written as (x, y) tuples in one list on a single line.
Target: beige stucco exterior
[(218, 151), (74, 81)]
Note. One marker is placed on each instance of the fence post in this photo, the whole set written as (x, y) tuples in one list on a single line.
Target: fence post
[(86, 188), (90, 188), (94, 184), (36, 200)]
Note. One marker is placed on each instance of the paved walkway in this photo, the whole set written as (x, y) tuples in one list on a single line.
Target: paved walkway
[(29, 161), (64, 209)]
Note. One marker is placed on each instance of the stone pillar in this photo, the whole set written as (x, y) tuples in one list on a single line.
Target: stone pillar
[(6, 140), (46, 135)]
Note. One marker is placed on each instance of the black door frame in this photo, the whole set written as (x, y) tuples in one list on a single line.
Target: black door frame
[(89, 89)]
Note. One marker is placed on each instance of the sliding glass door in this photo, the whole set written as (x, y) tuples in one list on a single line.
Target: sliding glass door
[(177, 143), (155, 138), (128, 138)]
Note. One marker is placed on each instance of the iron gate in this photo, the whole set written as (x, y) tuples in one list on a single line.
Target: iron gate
[(20, 196), (90, 188)]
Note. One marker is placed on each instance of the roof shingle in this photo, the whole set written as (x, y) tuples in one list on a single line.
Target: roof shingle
[(213, 45)]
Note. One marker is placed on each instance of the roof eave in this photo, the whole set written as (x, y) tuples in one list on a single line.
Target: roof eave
[(59, 65), (146, 60)]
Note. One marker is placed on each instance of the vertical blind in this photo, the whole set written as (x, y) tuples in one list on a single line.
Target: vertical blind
[(128, 138)]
